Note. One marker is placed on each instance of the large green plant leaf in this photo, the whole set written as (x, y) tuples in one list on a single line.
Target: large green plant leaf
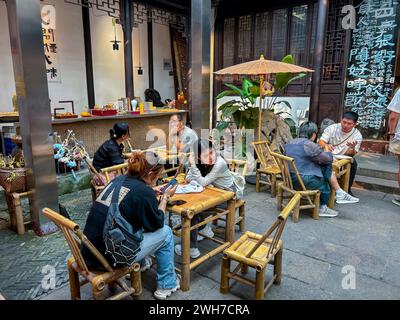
[(224, 94), (227, 104), (246, 85), (282, 80), (228, 111), (237, 90)]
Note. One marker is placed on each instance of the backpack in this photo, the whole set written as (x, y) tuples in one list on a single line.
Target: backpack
[(122, 243)]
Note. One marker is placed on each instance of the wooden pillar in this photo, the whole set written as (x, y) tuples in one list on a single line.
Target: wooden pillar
[(323, 6), (200, 64), (126, 20), (88, 55)]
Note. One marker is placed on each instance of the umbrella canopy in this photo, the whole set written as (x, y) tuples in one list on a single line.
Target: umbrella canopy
[(261, 67)]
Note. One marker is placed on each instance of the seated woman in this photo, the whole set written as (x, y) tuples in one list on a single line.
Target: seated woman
[(138, 205), (110, 152), (209, 169)]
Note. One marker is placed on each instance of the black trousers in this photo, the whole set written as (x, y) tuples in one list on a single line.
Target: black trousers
[(353, 172)]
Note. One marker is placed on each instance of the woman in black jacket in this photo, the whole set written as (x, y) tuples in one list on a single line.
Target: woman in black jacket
[(139, 206)]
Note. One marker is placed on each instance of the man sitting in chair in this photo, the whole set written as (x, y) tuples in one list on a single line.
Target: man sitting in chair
[(315, 167)]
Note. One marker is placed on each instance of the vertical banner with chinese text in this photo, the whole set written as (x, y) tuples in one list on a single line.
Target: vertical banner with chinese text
[(371, 63), (48, 13)]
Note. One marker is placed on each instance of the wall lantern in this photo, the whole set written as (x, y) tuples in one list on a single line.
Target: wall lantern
[(115, 41)]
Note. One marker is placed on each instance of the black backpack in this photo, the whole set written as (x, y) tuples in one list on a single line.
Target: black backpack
[(121, 241)]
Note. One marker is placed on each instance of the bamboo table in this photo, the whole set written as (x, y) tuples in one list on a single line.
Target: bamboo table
[(341, 168), (195, 204)]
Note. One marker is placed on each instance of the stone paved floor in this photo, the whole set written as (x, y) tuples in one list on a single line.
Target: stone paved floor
[(364, 236)]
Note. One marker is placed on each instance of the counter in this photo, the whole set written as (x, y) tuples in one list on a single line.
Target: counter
[(93, 131)]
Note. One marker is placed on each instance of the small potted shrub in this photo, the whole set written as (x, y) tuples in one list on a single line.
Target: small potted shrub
[(12, 174)]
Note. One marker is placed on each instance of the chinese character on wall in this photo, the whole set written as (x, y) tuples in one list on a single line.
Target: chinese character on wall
[(370, 70), (48, 13)]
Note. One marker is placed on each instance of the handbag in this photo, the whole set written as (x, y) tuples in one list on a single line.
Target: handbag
[(122, 243)]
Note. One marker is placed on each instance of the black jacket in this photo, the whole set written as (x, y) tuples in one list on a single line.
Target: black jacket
[(138, 205), (109, 154)]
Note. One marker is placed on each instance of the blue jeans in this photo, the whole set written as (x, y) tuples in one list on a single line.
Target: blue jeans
[(317, 183), (161, 244)]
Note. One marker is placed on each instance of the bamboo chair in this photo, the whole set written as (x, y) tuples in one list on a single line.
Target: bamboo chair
[(95, 176), (98, 279), (238, 166), (268, 167), (257, 251), (311, 196), (111, 172)]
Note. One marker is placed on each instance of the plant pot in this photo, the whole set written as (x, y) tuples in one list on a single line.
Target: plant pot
[(13, 180)]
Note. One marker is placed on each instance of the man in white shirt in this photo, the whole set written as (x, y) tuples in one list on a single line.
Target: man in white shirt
[(394, 133), (182, 137), (343, 139)]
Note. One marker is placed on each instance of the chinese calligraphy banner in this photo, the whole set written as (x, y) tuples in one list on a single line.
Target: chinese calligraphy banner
[(370, 70), (48, 13)]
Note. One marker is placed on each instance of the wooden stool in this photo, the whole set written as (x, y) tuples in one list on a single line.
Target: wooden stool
[(15, 210)]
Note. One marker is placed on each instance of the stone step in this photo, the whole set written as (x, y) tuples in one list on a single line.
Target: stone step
[(377, 166), (376, 184), (377, 173)]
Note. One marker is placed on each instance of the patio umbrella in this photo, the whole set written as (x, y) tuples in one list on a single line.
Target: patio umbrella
[(261, 68)]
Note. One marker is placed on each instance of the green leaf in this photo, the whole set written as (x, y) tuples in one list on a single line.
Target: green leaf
[(224, 94), (296, 77), (254, 91), (222, 126), (230, 110), (288, 59), (237, 90), (227, 104), (246, 85)]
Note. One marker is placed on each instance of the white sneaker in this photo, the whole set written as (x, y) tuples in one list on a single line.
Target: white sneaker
[(146, 264), (162, 294), (346, 198), (207, 231), (325, 211), (194, 252)]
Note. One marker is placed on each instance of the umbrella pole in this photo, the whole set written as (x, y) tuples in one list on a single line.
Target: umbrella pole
[(260, 107)]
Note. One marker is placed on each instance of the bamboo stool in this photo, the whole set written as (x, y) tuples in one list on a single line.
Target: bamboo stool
[(15, 210), (311, 196), (98, 279), (268, 167), (257, 251), (341, 168)]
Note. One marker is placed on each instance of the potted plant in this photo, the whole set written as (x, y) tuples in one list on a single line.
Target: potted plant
[(243, 111)]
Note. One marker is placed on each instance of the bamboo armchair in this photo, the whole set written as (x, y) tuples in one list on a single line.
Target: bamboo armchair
[(111, 172), (95, 176), (312, 196), (257, 251), (98, 279), (238, 166), (268, 167)]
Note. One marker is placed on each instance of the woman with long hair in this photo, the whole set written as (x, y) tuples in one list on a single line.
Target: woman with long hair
[(210, 168)]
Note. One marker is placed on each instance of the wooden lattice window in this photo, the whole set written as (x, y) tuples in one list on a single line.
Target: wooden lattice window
[(244, 39), (261, 35), (279, 34), (229, 42)]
